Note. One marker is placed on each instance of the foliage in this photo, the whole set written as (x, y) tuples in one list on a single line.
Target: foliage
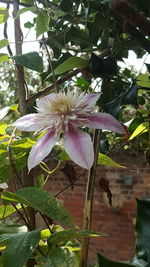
[(81, 45)]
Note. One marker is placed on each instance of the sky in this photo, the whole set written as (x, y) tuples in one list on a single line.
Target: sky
[(31, 44)]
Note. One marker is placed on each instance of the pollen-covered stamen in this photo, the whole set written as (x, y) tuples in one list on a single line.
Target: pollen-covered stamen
[(61, 106)]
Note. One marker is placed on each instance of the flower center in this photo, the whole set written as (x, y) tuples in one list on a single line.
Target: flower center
[(61, 106)]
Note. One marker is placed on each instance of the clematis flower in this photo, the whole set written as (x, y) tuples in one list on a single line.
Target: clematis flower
[(66, 114)]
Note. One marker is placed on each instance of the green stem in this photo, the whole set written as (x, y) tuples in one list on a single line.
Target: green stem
[(89, 200)]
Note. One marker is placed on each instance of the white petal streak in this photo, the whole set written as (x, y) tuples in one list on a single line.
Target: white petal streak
[(30, 122), (79, 147), (41, 149), (45, 100), (91, 99), (105, 121)]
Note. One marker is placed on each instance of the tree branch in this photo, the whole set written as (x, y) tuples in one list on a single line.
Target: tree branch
[(5, 33), (129, 13), (49, 88)]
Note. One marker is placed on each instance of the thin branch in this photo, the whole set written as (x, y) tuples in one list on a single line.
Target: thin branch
[(60, 192), (5, 33), (89, 200), (20, 71), (44, 219), (51, 66), (130, 14), (18, 211), (49, 88)]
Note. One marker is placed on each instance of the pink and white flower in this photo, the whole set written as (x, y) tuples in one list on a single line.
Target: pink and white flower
[(66, 114)]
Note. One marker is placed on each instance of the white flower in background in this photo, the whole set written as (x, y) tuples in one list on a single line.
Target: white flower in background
[(66, 113), (3, 186)]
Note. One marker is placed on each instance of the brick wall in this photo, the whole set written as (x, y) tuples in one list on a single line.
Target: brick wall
[(117, 222)]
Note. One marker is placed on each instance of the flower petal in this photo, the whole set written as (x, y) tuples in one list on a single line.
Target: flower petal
[(30, 122), (79, 147), (41, 149), (44, 101), (105, 121), (91, 99)]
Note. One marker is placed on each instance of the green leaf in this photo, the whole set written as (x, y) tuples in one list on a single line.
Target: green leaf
[(28, 25), (25, 9), (61, 236), (42, 201), (22, 245), (142, 229), (3, 57), (69, 64), (14, 107), (7, 229), (78, 37), (22, 144), (3, 127), (104, 262), (63, 155), (62, 257), (3, 14), (106, 161), (42, 23), (6, 211), (66, 235), (30, 2), (30, 60), (142, 128), (3, 43), (143, 80)]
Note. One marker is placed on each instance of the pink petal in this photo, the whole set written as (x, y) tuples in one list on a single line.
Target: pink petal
[(41, 149), (91, 99), (79, 147), (30, 122), (105, 121), (44, 100)]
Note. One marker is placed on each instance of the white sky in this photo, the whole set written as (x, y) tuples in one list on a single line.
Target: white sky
[(31, 44)]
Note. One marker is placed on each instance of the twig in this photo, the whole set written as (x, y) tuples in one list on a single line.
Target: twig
[(44, 219), (89, 200), (129, 13), (51, 66), (60, 192), (5, 33), (49, 88), (26, 223)]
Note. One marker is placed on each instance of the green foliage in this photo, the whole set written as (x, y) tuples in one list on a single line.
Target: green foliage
[(30, 60), (106, 161), (6, 211), (42, 23), (42, 201), (3, 43), (143, 80), (102, 159), (142, 128), (3, 14), (25, 9), (3, 57), (22, 243), (62, 257), (66, 235), (76, 32)]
